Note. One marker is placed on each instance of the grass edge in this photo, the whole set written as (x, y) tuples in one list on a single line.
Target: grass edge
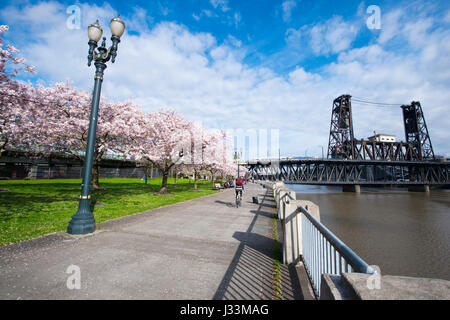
[(276, 261)]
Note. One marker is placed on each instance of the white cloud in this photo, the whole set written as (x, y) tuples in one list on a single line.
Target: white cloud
[(164, 10), (44, 13), (169, 65), (333, 36), (287, 7), (330, 37), (447, 17), (208, 13), (140, 20), (221, 4), (222, 12), (300, 77), (234, 41), (237, 19)]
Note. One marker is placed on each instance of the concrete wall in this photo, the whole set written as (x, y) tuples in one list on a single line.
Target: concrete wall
[(360, 286), (290, 219)]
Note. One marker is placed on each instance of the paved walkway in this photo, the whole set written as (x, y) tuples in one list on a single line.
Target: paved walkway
[(201, 249)]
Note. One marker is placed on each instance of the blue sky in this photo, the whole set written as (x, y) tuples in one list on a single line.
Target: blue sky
[(274, 65)]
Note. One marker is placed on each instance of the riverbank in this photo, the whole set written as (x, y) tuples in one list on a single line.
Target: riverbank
[(33, 208)]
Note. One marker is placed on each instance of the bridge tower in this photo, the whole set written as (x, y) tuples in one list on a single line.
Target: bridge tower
[(416, 131), (341, 143)]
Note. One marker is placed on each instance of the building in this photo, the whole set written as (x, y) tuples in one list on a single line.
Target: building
[(381, 137)]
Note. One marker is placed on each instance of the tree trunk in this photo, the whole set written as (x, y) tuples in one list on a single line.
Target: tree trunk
[(2, 148), (146, 174), (95, 185), (151, 172), (195, 180), (175, 181), (165, 174), (212, 179)]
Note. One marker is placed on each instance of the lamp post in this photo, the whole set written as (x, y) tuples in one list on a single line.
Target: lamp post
[(83, 220)]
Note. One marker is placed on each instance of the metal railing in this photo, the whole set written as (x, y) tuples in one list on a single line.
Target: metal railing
[(323, 252)]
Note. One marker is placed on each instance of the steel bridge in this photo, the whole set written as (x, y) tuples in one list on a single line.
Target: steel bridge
[(364, 162), (351, 172)]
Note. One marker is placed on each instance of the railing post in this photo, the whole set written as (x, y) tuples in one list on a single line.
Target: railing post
[(290, 233), (283, 198), (311, 207), (277, 187)]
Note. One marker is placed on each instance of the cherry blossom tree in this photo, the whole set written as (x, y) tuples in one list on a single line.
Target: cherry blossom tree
[(162, 141), (55, 120), (194, 159), (63, 122), (209, 152), (215, 155), (15, 97)]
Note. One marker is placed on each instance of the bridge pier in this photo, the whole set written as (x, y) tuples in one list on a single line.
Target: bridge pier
[(355, 188), (419, 188)]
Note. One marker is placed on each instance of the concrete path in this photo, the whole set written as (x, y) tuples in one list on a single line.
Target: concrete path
[(201, 249)]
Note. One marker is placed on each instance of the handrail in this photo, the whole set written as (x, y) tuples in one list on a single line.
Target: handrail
[(324, 253), (288, 195), (358, 264), (306, 238)]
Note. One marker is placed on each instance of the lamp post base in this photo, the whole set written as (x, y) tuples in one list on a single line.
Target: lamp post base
[(83, 221), (81, 226)]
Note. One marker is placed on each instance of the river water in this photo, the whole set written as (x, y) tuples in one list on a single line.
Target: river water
[(404, 233)]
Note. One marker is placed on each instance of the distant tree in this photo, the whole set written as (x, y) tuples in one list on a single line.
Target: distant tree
[(194, 152), (214, 153), (162, 141)]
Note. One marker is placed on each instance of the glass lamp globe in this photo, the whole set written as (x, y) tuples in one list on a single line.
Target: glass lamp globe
[(95, 31), (117, 26)]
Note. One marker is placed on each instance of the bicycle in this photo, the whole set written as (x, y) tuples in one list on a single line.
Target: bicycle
[(238, 197)]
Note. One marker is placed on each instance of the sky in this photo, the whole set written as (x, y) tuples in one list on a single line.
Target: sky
[(254, 65)]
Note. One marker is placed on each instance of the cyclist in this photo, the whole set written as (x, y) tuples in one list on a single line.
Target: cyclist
[(239, 186)]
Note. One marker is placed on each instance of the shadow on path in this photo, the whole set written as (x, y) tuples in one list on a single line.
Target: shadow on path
[(228, 204), (250, 276)]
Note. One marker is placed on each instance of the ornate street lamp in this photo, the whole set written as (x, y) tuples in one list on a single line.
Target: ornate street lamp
[(83, 220)]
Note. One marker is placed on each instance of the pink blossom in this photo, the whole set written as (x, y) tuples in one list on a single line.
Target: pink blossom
[(3, 28), (12, 49)]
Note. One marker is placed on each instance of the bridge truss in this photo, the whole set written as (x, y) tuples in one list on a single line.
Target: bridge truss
[(361, 172), (364, 162), (343, 145)]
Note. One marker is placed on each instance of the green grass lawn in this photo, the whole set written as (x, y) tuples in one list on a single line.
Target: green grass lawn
[(36, 207)]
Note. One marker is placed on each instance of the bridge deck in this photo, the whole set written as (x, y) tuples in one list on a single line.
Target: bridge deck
[(201, 249), (345, 172)]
